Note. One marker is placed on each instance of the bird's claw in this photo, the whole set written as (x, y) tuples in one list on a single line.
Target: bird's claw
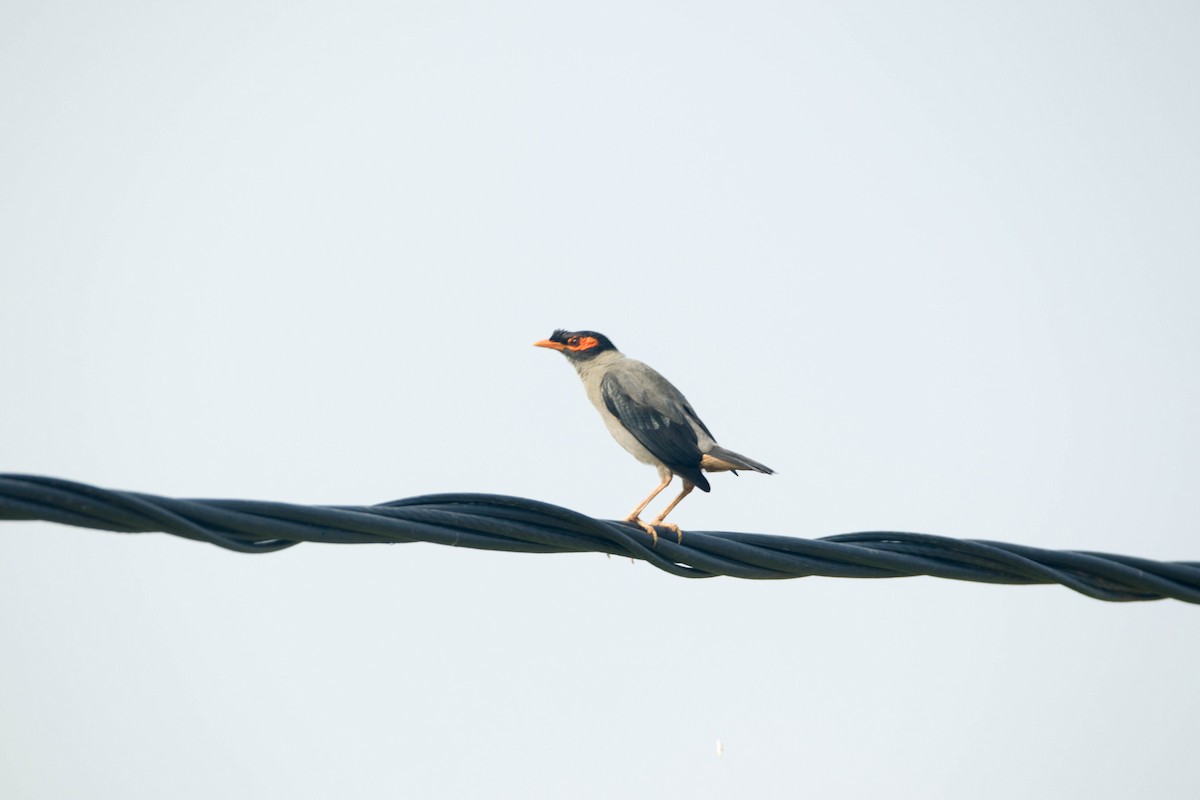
[(671, 526), (647, 527), (651, 528)]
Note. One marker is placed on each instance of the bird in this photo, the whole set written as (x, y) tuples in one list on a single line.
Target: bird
[(650, 418)]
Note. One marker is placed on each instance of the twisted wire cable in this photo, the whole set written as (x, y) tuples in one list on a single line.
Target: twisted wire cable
[(498, 522)]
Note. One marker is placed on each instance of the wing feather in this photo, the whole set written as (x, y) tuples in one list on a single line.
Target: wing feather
[(664, 431)]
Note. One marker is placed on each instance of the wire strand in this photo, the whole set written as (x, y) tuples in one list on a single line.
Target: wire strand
[(515, 524)]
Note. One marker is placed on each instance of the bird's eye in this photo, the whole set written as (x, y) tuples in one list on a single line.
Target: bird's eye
[(573, 341)]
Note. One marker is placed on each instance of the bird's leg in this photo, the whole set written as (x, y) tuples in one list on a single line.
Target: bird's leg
[(687, 489), (634, 515)]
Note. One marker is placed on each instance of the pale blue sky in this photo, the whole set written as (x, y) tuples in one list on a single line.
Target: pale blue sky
[(935, 263)]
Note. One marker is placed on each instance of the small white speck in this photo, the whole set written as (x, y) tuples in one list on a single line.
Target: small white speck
[(720, 748)]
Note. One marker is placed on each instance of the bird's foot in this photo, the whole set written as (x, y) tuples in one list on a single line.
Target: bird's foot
[(647, 527), (671, 526)]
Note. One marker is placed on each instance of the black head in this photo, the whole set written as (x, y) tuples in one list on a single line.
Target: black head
[(577, 345)]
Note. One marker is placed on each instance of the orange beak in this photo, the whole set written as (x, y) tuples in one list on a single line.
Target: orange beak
[(550, 344)]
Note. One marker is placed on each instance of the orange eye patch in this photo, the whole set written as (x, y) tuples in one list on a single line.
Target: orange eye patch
[(582, 342)]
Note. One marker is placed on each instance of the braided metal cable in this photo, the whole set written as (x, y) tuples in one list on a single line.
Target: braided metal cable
[(497, 522)]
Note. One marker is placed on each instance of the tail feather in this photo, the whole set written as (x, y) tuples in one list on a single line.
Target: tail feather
[(734, 461)]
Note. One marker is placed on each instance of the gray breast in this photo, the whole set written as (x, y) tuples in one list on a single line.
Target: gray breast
[(592, 373)]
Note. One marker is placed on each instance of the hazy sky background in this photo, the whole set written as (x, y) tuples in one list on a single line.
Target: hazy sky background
[(938, 264)]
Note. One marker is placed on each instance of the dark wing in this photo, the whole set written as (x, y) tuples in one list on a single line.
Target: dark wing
[(665, 432)]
